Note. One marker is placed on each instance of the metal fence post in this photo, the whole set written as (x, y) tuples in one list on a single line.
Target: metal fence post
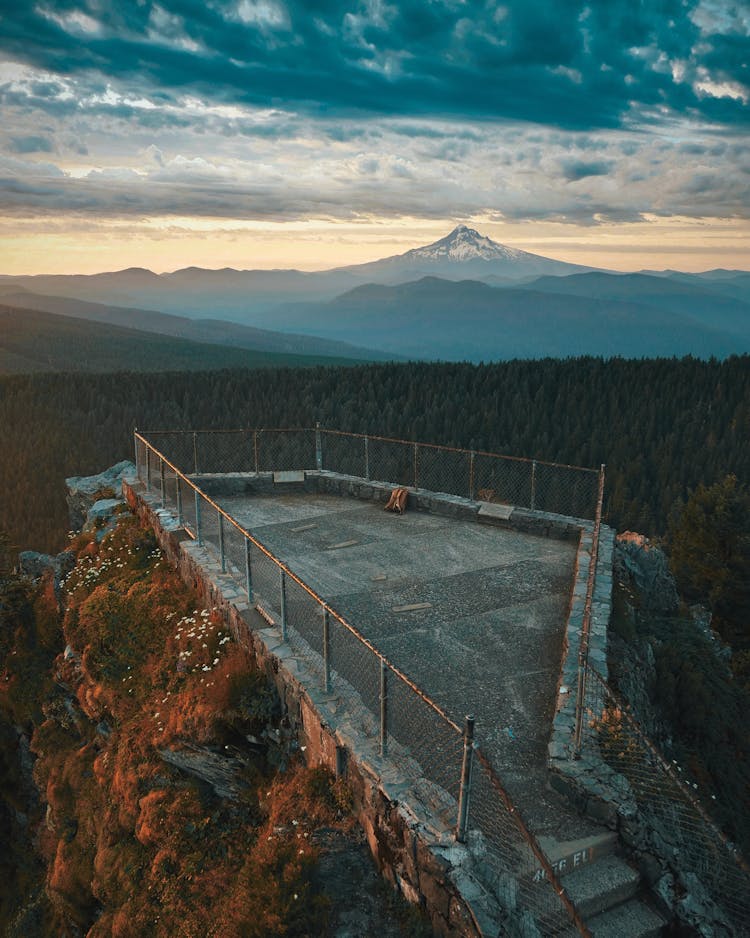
[(178, 499), (248, 572), (533, 484), (163, 482), (416, 475), (472, 457), (282, 601), (136, 447), (148, 469), (222, 552), (198, 532), (367, 458), (318, 447), (255, 451), (195, 453), (326, 651), (383, 708), (463, 795)]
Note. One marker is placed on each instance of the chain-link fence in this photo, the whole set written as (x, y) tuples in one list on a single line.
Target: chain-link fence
[(668, 822), (380, 702), (412, 731), (487, 477)]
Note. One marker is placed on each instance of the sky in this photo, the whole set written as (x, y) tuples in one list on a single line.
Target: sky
[(280, 133)]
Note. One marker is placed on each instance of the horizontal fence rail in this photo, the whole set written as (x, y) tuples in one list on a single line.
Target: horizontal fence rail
[(450, 772)]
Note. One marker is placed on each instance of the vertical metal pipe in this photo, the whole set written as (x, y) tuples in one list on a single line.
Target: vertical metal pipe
[(416, 475), (136, 447), (222, 552), (318, 447), (195, 453), (583, 652), (533, 484), (367, 458), (282, 600), (472, 457), (198, 531), (465, 789), (148, 469), (163, 483), (383, 708), (248, 572), (178, 499), (326, 651), (255, 451)]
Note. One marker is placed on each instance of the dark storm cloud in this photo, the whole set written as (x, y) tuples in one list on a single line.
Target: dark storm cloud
[(573, 170), (30, 144), (557, 62)]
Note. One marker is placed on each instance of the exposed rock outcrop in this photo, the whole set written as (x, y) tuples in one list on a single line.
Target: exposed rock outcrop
[(645, 566), (84, 491)]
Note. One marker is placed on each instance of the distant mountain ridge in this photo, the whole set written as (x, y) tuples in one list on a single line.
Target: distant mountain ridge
[(34, 341), (464, 296)]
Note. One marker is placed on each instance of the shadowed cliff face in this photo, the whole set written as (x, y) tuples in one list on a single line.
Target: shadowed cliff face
[(157, 805)]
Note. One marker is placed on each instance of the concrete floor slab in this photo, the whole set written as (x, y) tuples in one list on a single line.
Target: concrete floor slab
[(474, 614)]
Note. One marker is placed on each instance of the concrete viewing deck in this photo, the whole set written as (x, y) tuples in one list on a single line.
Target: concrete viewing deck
[(474, 614)]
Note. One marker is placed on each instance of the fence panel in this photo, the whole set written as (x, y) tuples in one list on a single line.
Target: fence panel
[(565, 490), (444, 470), (432, 742), (279, 450), (345, 453), (356, 669), (511, 869), (678, 830), (221, 451), (187, 498), (391, 461), (501, 480)]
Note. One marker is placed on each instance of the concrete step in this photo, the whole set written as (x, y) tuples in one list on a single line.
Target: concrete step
[(598, 886), (631, 919), (569, 855)]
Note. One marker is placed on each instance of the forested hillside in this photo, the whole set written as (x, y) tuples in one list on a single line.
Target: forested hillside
[(662, 426)]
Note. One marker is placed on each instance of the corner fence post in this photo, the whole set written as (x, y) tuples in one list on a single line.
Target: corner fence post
[(532, 502), (178, 499), (137, 450), (583, 653), (195, 453), (326, 651), (318, 447), (163, 482), (248, 572), (198, 531), (472, 457), (282, 601), (383, 708), (367, 458), (463, 795)]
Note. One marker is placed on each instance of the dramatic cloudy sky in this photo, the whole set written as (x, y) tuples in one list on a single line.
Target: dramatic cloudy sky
[(287, 133)]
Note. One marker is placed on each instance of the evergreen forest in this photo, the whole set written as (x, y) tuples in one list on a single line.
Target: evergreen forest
[(662, 426)]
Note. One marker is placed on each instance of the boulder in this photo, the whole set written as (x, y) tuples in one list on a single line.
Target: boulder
[(34, 565), (84, 491), (640, 562)]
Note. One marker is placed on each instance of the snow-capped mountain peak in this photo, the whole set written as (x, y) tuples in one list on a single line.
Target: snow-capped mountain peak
[(464, 244)]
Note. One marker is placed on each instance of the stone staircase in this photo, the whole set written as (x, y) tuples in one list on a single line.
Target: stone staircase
[(608, 892)]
